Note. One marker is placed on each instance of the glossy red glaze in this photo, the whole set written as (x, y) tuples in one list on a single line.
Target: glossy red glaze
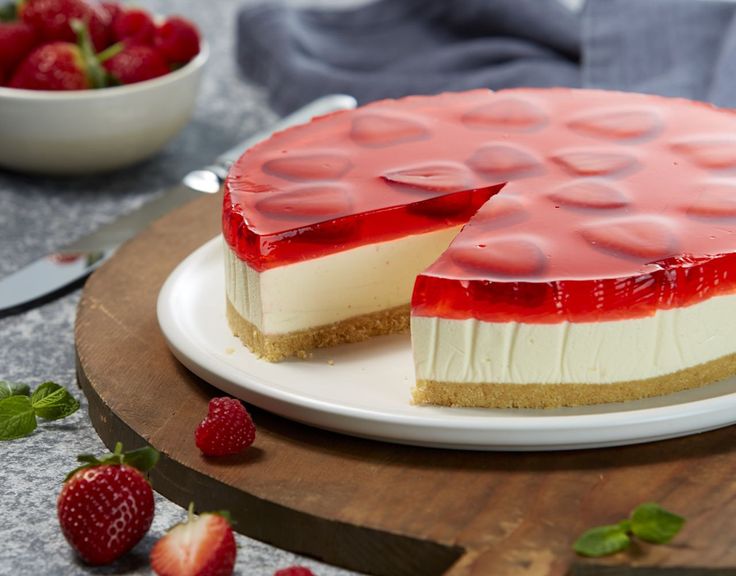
[(617, 204)]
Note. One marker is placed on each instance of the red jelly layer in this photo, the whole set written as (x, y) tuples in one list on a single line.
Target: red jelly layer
[(381, 172), (616, 204)]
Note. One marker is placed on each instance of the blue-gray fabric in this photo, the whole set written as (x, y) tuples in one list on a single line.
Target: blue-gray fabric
[(391, 48)]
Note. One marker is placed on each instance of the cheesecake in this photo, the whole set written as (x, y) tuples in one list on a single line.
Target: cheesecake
[(547, 247)]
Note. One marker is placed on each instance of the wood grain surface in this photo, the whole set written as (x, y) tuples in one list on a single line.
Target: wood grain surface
[(376, 507)]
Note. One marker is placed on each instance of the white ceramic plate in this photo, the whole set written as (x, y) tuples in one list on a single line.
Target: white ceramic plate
[(364, 389)]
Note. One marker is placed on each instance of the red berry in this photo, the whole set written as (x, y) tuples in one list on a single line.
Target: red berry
[(178, 40), (227, 429), (112, 8), (104, 511), (201, 546), (134, 26), (17, 39), (52, 19), (294, 571), (136, 63), (55, 66)]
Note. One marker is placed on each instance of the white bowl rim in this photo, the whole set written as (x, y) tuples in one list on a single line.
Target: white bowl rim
[(63, 95)]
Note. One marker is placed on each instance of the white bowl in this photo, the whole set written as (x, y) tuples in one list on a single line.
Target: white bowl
[(85, 131)]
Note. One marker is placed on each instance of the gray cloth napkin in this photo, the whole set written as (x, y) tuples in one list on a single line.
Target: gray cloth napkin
[(396, 47)]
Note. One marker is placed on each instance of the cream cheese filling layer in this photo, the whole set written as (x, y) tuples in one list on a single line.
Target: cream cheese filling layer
[(331, 288), (473, 351)]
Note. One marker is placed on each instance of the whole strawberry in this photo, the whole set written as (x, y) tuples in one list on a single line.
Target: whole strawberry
[(201, 546), (112, 8), (135, 63), (133, 26), (178, 40), (106, 506), (52, 19), (17, 39), (227, 429), (60, 66), (55, 66)]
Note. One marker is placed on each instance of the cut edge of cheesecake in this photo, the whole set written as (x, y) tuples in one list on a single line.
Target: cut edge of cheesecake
[(504, 395), (299, 344)]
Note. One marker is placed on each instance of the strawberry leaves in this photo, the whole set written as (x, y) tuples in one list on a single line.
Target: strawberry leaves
[(19, 409), (143, 459)]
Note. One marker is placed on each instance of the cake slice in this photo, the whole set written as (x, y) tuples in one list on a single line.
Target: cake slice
[(327, 225)]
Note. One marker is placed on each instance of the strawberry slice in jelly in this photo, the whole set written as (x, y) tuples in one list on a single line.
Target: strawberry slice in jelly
[(645, 237), (708, 151), (327, 201), (715, 199), (594, 161), (440, 177), (597, 194), (309, 166), (378, 129), (619, 123), (501, 256), (506, 113), (505, 161)]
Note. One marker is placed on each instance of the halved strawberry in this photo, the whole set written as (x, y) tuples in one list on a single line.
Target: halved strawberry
[(202, 545)]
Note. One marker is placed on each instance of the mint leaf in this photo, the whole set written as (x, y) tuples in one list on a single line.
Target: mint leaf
[(13, 389), (17, 418), (602, 541), (654, 524), (52, 402)]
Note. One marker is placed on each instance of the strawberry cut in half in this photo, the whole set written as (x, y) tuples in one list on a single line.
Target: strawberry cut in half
[(106, 505), (202, 545)]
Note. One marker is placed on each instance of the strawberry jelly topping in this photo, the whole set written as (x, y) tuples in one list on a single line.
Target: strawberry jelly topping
[(617, 204)]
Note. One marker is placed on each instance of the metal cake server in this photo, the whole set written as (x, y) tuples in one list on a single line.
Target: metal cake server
[(49, 276)]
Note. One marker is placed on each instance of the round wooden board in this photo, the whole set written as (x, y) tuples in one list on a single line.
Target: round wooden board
[(376, 507)]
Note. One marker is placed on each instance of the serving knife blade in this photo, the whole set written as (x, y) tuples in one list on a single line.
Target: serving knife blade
[(50, 276)]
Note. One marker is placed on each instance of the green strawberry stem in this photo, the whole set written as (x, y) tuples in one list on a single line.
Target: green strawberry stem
[(190, 512), (95, 73), (144, 459), (110, 51)]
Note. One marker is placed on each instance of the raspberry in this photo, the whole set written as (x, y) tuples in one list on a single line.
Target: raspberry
[(227, 428), (294, 571)]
